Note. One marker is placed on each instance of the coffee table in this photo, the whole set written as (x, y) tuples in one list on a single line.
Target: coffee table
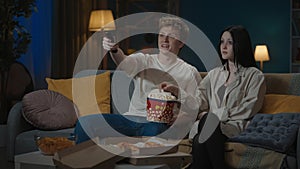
[(36, 160)]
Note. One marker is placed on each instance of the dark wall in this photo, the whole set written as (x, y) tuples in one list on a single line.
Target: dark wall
[(268, 22)]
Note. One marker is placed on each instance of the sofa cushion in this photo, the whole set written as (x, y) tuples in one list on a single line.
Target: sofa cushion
[(277, 132), (238, 155), (91, 94), (276, 103), (48, 110)]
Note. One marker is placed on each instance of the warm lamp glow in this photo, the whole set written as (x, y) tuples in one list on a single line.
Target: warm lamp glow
[(101, 20), (261, 54)]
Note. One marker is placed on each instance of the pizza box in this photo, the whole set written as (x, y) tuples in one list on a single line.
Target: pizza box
[(89, 155), (169, 159), (143, 145)]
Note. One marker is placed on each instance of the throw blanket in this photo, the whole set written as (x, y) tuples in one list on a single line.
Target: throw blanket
[(241, 156), (276, 132)]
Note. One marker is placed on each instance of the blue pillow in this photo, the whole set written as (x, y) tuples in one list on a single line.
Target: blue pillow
[(277, 132)]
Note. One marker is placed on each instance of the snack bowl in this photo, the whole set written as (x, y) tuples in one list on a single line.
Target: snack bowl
[(161, 107), (49, 145)]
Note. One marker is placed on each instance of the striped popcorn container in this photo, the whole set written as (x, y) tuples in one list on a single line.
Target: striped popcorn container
[(161, 107)]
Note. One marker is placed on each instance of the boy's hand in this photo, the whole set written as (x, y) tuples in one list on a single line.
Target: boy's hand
[(108, 44), (168, 87)]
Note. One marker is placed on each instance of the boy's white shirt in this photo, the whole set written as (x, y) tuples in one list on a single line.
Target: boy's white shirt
[(137, 66)]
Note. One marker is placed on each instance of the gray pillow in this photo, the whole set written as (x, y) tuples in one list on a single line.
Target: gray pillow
[(48, 110), (271, 131)]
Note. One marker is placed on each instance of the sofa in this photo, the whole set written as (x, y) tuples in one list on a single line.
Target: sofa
[(21, 133)]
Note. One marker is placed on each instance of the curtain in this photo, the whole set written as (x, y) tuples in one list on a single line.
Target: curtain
[(38, 57), (70, 32)]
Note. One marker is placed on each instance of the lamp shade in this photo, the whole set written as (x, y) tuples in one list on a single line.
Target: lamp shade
[(261, 53), (101, 20)]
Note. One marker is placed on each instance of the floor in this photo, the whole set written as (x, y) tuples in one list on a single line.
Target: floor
[(4, 164)]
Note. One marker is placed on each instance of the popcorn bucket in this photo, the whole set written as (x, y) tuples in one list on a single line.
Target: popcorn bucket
[(161, 107)]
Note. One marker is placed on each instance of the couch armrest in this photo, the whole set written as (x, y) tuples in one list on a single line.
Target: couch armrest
[(15, 125)]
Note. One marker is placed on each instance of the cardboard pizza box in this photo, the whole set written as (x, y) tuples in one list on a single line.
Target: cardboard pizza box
[(166, 146), (89, 155), (148, 156), (169, 159)]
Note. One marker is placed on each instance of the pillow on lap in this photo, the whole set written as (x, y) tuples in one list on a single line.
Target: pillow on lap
[(48, 110)]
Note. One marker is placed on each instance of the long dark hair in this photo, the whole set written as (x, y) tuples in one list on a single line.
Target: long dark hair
[(242, 46)]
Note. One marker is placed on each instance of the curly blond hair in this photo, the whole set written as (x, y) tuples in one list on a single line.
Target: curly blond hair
[(177, 23)]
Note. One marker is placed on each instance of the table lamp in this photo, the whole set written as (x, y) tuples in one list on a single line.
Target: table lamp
[(261, 54), (102, 20)]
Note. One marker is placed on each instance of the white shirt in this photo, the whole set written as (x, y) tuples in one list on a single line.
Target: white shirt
[(148, 73)]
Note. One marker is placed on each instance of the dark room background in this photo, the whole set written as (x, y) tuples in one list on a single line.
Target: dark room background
[(268, 22)]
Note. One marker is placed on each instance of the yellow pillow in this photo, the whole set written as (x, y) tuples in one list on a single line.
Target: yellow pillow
[(276, 103), (91, 94)]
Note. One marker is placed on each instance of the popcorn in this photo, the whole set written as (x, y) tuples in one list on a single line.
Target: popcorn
[(162, 96)]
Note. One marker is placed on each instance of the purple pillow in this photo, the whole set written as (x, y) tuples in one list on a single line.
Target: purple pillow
[(49, 110)]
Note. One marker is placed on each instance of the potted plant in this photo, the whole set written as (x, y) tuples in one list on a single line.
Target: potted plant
[(14, 41)]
